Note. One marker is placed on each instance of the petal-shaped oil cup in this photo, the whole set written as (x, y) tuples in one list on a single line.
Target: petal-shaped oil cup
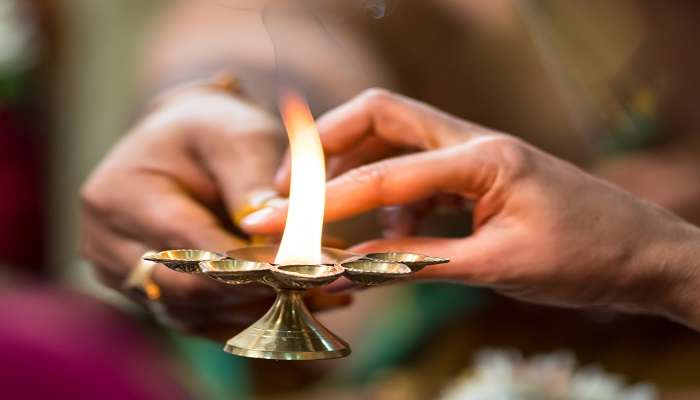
[(414, 261), (235, 272), (267, 254), (183, 260), (370, 272), (306, 276)]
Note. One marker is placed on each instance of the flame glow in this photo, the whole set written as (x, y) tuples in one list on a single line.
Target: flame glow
[(301, 241)]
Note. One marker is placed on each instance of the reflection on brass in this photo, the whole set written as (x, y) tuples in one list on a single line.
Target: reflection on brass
[(288, 331), (306, 276), (235, 272), (184, 260), (371, 273), (414, 261)]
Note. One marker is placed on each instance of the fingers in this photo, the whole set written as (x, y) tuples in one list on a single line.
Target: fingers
[(368, 150), (235, 143), (396, 120), (115, 255), (371, 149), (255, 156), (163, 216), (117, 231), (461, 169)]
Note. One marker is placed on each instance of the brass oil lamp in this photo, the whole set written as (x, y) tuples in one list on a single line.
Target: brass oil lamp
[(288, 331)]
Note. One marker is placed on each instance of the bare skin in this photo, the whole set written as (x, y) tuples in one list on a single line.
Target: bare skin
[(544, 230), (180, 49), (153, 191), (170, 183), (178, 176)]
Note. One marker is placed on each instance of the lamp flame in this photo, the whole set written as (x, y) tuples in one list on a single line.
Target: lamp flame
[(301, 240)]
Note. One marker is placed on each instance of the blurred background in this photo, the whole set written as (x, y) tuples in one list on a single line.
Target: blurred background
[(611, 86)]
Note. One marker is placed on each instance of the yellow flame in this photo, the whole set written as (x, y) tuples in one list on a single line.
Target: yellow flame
[(301, 241)]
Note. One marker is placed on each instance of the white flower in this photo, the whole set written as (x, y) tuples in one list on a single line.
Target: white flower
[(500, 375)]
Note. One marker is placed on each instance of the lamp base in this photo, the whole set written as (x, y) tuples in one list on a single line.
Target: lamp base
[(288, 331)]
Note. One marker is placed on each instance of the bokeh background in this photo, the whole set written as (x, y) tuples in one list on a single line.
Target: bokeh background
[(611, 86)]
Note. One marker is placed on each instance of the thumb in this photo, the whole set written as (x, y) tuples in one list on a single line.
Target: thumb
[(241, 164)]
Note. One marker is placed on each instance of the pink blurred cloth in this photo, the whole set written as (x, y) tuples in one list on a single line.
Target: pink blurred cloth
[(56, 344)]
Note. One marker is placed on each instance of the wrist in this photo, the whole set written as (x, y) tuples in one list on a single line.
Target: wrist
[(672, 262)]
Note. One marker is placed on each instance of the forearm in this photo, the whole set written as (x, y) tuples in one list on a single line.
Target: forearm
[(194, 39), (673, 264)]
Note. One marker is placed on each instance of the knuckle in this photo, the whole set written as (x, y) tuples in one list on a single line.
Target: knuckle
[(373, 173), (97, 194), (514, 156), (373, 177), (90, 197), (377, 97)]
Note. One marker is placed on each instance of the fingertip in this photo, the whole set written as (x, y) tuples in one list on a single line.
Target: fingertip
[(265, 221)]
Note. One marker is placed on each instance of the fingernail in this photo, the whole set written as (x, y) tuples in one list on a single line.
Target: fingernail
[(276, 202), (257, 217)]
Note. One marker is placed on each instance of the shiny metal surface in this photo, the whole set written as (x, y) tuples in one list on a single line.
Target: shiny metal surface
[(267, 254), (288, 331), (414, 261), (306, 276), (183, 260), (235, 272), (371, 273)]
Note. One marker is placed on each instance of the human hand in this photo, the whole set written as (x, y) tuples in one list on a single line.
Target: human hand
[(174, 181), (543, 230)]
